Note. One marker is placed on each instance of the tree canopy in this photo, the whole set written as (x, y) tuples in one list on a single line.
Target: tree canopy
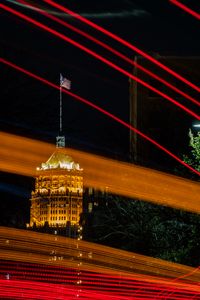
[(193, 158), (145, 228)]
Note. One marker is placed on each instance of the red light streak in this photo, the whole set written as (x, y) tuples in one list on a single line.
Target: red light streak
[(33, 289), (120, 40), (107, 275), (97, 284), (96, 107), (184, 276), (112, 50), (185, 8), (8, 267), (97, 56), (26, 269)]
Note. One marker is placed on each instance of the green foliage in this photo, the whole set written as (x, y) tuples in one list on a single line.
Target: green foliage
[(193, 159), (145, 228)]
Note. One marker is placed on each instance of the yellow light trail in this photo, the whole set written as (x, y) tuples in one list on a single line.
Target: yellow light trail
[(21, 155), (33, 247)]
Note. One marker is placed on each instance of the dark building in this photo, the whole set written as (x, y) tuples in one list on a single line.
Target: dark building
[(159, 118)]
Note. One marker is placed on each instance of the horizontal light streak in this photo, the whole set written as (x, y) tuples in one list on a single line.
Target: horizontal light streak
[(119, 177), (89, 103), (31, 290), (34, 273), (120, 40), (119, 258), (90, 280), (99, 57)]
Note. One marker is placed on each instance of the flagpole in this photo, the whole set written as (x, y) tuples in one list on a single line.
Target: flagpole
[(60, 108), (60, 140)]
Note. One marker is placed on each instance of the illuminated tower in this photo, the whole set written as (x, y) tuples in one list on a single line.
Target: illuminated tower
[(58, 196), (57, 200)]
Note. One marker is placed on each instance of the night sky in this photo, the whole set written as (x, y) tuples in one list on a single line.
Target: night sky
[(29, 108)]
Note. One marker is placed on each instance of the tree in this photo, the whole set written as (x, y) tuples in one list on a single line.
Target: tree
[(145, 228), (193, 159)]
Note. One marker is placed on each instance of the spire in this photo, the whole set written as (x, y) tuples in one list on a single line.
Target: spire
[(60, 140)]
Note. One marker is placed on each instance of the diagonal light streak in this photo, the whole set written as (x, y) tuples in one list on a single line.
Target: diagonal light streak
[(186, 8), (122, 56), (105, 112), (122, 41), (112, 50), (99, 57)]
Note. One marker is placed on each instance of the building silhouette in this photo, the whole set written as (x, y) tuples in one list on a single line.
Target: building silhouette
[(159, 118)]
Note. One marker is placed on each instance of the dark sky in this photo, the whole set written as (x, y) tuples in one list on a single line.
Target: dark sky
[(32, 109)]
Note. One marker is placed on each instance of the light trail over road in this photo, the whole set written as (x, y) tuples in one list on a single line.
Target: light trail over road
[(45, 266), (22, 155)]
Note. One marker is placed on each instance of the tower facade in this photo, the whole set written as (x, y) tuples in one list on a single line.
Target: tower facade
[(57, 200)]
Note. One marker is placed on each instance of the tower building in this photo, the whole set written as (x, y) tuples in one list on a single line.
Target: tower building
[(57, 199)]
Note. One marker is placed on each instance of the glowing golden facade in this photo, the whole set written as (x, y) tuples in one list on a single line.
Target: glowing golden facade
[(58, 196)]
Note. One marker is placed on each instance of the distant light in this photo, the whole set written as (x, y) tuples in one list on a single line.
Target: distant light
[(196, 125)]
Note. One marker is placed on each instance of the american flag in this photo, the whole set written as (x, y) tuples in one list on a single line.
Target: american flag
[(64, 82)]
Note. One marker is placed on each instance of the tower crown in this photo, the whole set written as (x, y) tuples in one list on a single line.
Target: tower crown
[(60, 160)]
